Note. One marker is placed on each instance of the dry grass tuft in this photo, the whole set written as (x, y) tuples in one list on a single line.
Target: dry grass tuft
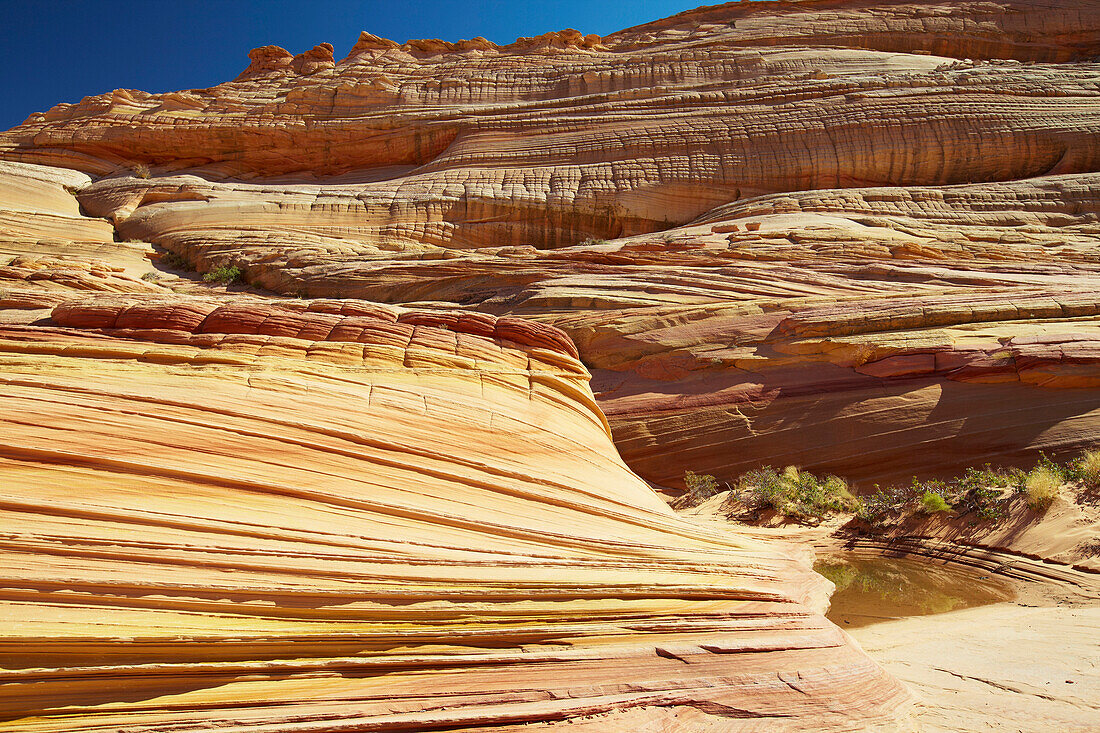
[(1042, 486), (1088, 468)]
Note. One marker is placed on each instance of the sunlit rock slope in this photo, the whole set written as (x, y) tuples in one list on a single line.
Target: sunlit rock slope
[(336, 515), (283, 515), (746, 161), (856, 236)]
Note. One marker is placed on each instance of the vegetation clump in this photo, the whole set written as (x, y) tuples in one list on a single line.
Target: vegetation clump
[(1042, 486), (1086, 469), (223, 274), (931, 502), (983, 494), (700, 487), (175, 261), (795, 493), (140, 170)]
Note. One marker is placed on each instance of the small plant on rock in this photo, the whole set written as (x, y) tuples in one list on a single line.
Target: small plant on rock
[(1086, 469), (700, 486), (796, 493), (175, 261), (140, 170), (878, 506), (223, 274)]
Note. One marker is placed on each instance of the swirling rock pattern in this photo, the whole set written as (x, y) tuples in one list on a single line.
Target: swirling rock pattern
[(857, 236), (790, 156), (338, 516)]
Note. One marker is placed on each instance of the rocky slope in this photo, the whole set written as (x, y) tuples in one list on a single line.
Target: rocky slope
[(338, 516), (270, 515), (750, 161), (860, 236)]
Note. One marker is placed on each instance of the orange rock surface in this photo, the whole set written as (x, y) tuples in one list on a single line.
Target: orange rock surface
[(337, 516), (858, 236), (746, 158)]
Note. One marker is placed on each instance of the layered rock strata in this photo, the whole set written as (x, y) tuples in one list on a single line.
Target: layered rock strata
[(855, 236), (48, 243), (334, 515), (790, 156)]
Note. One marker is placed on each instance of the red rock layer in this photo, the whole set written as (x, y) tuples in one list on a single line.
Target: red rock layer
[(872, 389)]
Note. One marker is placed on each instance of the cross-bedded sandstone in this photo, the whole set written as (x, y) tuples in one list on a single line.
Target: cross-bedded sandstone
[(855, 236)]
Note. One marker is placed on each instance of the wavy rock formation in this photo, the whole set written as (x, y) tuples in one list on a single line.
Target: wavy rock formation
[(337, 516), (791, 155), (856, 235)]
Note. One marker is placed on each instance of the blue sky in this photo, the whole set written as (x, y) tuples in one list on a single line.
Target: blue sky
[(63, 50)]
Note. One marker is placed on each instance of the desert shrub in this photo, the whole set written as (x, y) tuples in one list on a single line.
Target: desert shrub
[(1042, 487), (140, 170), (151, 277), (594, 241), (1086, 469), (223, 274), (989, 477), (175, 261), (875, 506), (700, 486), (795, 493), (983, 491), (931, 502), (988, 502)]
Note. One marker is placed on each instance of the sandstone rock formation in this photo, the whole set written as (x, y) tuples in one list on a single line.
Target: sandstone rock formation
[(795, 155), (336, 515), (856, 235)]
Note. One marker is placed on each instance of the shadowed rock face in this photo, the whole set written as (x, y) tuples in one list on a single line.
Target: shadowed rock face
[(857, 237)]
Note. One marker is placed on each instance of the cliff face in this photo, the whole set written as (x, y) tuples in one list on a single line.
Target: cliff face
[(271, 515), (855, 236), (744, 159)]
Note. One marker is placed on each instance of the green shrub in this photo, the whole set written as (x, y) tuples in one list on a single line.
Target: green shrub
[(223, 274), (931, 502), (989, 477), (980, 491), (594, 241), (151, 277), (175, 261), (700, 486), (795, 493), (1042, 487), (875, 507), (1086, 469)]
